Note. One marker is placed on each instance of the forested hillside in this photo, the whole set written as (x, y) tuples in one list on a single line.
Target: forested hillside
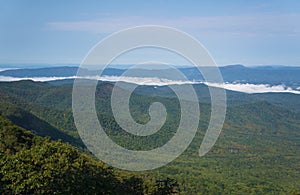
[(34, 165), (258, 151)]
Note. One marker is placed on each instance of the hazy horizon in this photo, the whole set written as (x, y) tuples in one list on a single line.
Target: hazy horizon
[(234, 32), (43, 65)]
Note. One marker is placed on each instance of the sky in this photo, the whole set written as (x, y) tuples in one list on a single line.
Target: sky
[(251, 33)]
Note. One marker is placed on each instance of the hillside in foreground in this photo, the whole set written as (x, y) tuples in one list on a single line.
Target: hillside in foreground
[(256, 153), (34, 165)]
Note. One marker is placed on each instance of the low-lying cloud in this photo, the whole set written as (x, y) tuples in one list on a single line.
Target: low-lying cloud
[(136, 80), (154, 81), (255, 88), (3, 69)]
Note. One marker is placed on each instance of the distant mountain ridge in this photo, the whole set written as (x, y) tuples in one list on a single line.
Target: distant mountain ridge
[(41, 72), (272, 75)]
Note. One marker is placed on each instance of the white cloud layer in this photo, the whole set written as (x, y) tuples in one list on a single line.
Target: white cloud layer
[(255, 88), (241, 87), (3, 69)]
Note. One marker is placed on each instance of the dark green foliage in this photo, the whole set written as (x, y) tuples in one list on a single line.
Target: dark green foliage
[(29, 121), (166, 186), (53, 167), (256, 153), (134, 185), (33, 165), (13, 138)]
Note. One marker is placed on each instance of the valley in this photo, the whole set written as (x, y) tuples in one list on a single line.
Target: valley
[(256, 153)]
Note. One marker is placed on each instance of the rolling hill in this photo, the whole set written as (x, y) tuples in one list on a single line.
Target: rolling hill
[(256, 153)]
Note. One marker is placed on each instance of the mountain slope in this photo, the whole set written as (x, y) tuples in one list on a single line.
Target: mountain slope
[(256, 153), (30, 122), (33, 165)]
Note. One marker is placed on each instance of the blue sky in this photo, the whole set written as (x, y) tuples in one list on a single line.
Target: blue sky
[(235, 32)]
